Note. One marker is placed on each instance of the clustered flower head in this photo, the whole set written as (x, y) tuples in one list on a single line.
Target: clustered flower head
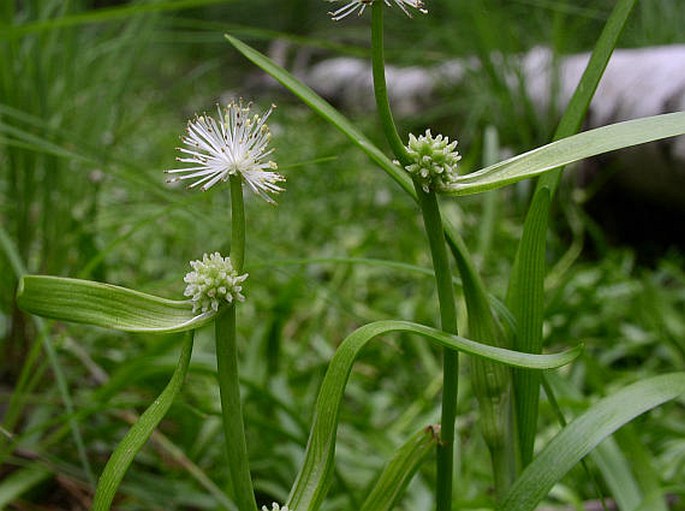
[(275, 507), (360, 5), (212, 282), (235, 144), (434, 159)]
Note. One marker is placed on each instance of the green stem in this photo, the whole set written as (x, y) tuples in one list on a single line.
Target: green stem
[(430, 210), (227, 367), (448, 318), (380, 88), (237, 224), (231, 410)]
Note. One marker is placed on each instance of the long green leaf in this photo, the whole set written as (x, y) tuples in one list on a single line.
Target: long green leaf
[(105, 305), (582, 435), (526, 301), (525, 295), (569, 150), (312, 481), (135, 439), (400, 470)]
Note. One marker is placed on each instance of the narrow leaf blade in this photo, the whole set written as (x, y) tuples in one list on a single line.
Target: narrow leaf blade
[(135, 439), (400, 470), (526, 301), (582, 435), (569, 150)]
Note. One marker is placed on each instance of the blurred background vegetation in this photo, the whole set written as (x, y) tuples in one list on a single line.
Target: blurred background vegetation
[(93, 98)]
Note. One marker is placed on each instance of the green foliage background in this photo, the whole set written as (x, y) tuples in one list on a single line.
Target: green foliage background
[(92, 101)]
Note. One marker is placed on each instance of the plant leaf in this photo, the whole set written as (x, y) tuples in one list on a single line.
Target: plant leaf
[(312, 481), (568, 150), (526, 301), (135, 439), (582, 435), (105, 305), (401, 469)]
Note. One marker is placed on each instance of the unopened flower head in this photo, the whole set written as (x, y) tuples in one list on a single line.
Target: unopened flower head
[(275, 507), (235, 144), (360, 5), (212, 282), (434, 159)]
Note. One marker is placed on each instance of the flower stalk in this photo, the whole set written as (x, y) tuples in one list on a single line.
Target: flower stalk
[(227, 368), (231, 409), (434, 229)]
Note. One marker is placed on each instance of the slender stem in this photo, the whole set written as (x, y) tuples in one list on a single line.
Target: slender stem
[(448, 318), (436, 239), (237, 224), (231, 409), (227, 367), (380, 88)]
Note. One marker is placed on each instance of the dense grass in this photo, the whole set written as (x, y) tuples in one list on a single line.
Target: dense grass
[(90, 113)]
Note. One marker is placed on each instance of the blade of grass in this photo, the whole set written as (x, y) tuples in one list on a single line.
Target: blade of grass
[(583, 434)]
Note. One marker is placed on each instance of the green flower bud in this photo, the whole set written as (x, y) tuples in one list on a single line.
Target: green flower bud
[(212, 282), (434, 159)]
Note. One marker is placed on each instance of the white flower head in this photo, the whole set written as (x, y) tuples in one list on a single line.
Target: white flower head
[(360, 5), (275, 507), (434, 159), (212, 282), (234, 144)]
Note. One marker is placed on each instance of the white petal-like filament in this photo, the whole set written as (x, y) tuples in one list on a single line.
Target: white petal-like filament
[(234, 144)]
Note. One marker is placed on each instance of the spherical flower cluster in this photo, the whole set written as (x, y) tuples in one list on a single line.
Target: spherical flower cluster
[(434, 159), (212, 282), (275, 507), (360, 5), (234, 144)]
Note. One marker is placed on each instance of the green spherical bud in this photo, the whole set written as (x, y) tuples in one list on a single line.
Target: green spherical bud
[(212, 282), (434, 160)]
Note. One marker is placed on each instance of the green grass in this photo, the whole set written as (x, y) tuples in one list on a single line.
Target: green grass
[(90, 113)]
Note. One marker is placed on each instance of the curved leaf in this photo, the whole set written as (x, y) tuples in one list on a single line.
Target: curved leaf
[(105, 305), (568, 150), (311, 484), (582, 435), (135, 439)]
